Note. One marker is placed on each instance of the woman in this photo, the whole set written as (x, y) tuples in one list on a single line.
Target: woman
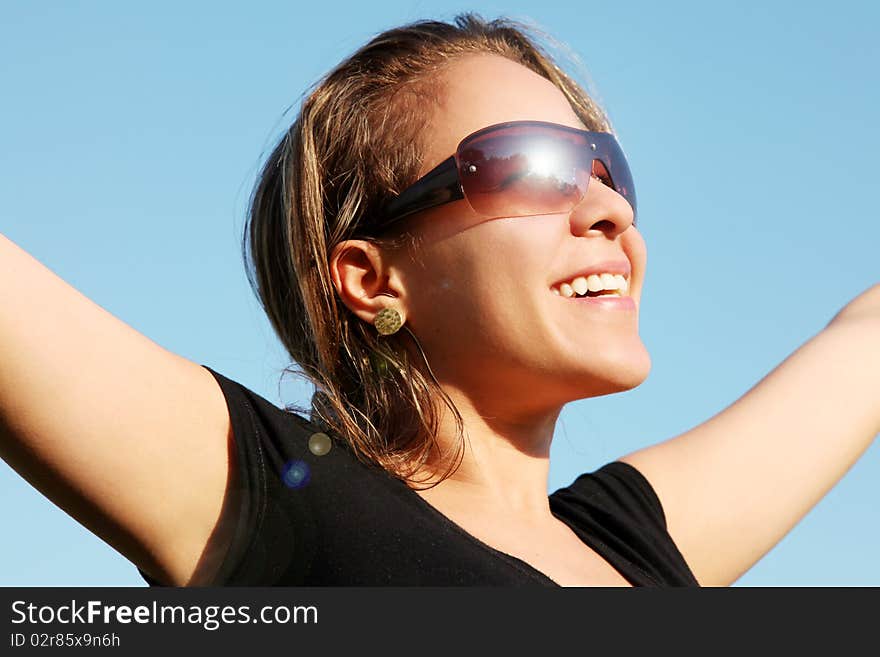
[(446, 243)]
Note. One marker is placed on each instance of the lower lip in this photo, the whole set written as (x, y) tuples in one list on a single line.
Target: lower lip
[(610, 302)]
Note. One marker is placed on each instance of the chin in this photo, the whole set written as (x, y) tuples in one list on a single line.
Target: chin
[(631, 378), (618, 372)]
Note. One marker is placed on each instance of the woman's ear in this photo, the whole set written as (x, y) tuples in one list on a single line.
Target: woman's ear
[(364, 278)]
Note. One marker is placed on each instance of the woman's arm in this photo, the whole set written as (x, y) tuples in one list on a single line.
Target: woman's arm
[(129, 439), (735, 485), (865, 307)]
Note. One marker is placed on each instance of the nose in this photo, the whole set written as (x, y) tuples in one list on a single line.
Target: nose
[(601, 211)]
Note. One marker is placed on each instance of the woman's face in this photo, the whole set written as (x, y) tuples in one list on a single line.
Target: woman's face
[(478, 293)]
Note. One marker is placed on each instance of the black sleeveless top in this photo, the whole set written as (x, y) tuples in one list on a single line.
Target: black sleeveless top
[(332, 520)]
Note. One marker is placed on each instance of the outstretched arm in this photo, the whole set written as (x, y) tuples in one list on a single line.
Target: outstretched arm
[(735, 485), (128, 438)]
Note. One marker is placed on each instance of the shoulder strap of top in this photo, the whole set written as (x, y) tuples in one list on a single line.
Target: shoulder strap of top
[(627, 487)]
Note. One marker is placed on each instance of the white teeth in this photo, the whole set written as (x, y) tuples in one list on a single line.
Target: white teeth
[(593, 283)]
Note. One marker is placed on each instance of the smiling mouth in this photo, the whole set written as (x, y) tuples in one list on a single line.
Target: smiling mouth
[(591, 295), (603, 300), (594, 285)]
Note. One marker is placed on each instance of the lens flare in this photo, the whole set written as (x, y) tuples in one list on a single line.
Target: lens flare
[(296, 474)]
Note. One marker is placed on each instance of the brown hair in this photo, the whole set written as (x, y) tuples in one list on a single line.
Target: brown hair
[(354, 146)]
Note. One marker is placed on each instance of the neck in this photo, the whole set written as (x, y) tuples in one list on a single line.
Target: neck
[(506, 459)]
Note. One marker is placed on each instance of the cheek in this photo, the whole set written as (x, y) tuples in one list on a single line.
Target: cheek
[(436, 288), (636, 249), (484, 274), (479, 289)]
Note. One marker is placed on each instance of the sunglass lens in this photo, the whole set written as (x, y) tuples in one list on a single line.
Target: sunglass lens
[(526, 170), (618, 169), (519, 172)]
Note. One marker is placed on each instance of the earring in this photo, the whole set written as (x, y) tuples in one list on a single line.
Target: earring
[(387, 321)]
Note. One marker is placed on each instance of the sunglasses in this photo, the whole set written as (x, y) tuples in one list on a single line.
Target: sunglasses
[(518, 169)]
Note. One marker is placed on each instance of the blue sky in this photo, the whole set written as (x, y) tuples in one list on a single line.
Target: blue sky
[(131, 135)]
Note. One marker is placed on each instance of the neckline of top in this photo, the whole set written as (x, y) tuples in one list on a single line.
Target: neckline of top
[(599, 547), (593, 543)]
